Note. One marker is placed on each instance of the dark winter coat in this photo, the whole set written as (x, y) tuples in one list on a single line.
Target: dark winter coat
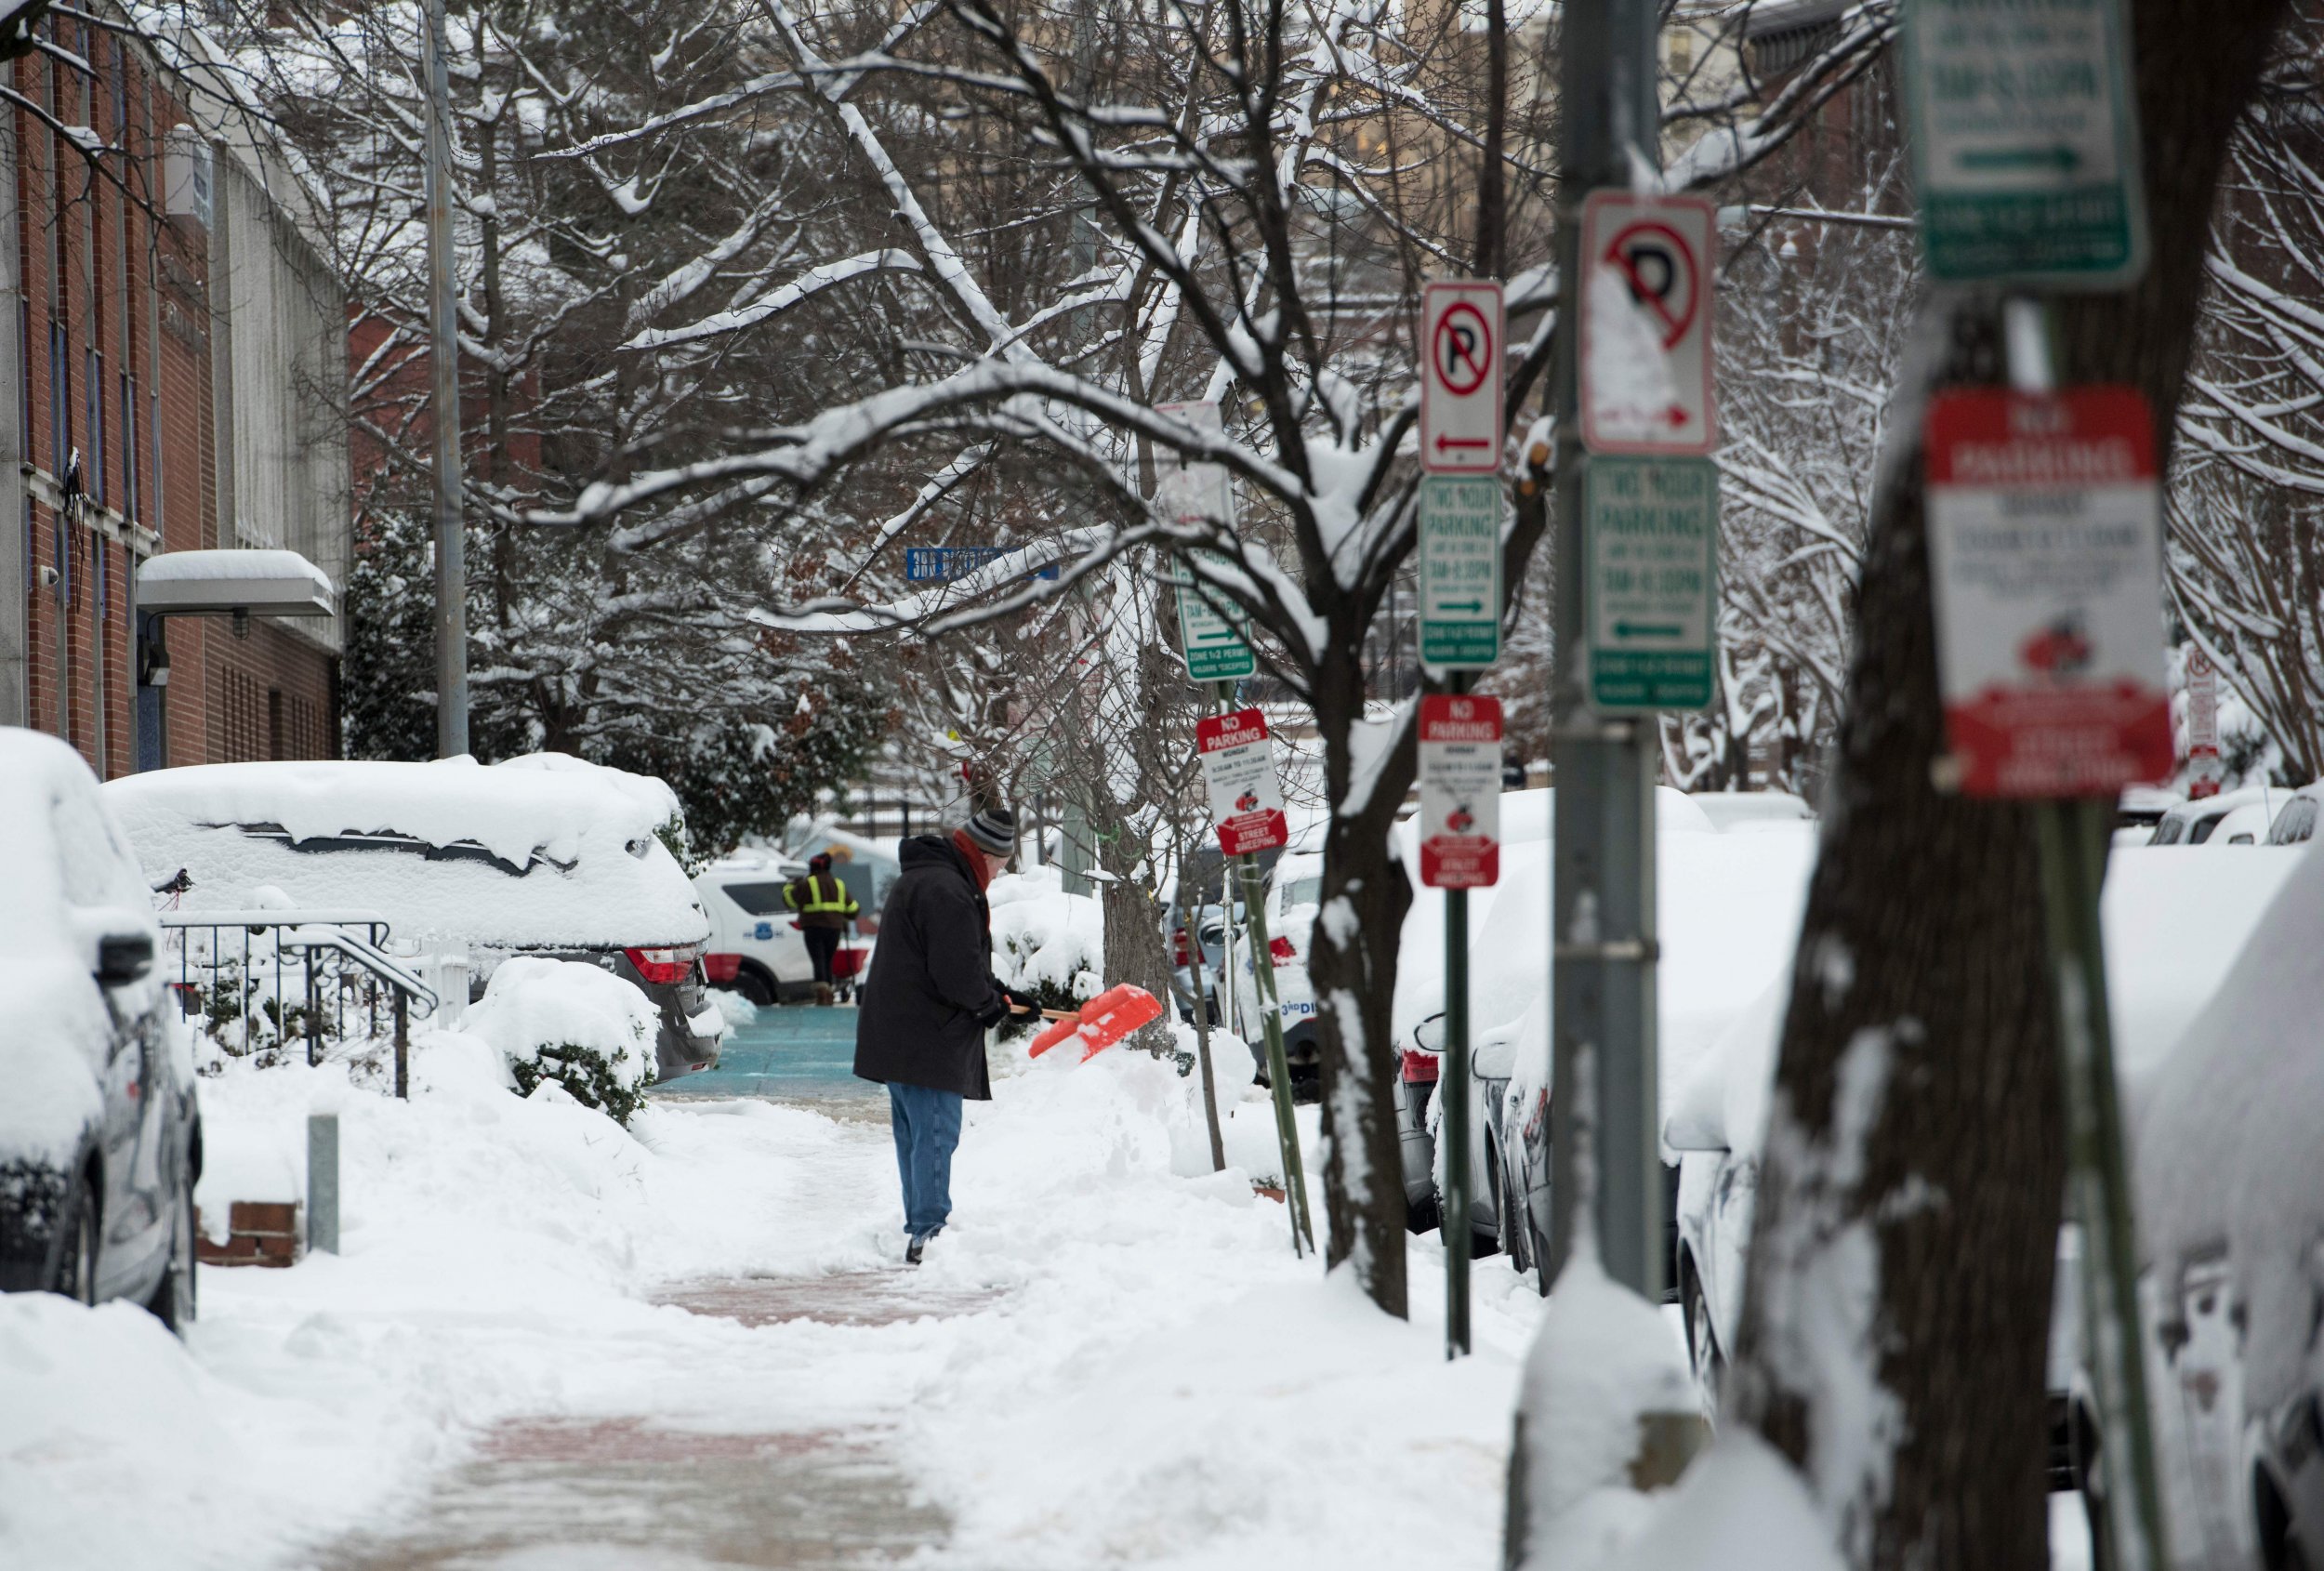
[(923, 1010)]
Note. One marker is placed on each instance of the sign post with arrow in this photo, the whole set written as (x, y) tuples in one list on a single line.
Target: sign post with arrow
[(1460, 376), (2024, 144), (1460, 571), (1650, 581)]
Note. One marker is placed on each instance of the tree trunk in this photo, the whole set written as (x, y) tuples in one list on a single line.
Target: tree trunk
[(1351, 964), (1898, 1306)]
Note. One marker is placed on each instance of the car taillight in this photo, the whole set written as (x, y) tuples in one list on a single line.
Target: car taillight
[(1181, 953), (1282, 949), (721, 968), (664, 966), (1419, 1068)]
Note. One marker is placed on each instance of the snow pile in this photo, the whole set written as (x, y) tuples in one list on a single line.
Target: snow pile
[(450, 851), (564, 1022), (1604, 1359), (1741, 1507), (1136, 1369), (1045, 938)]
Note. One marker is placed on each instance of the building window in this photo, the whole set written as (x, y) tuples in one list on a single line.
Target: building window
[(129, 447), (93, 475), (59, 400)]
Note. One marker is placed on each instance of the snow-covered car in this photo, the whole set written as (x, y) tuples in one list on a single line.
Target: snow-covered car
[(2230, 1177), (2246, 824), (1294, 890), (756, 946), (546, 855), (2192, 823), (100, 1131), (1728, 906), (2294, 823), (2173, 927)]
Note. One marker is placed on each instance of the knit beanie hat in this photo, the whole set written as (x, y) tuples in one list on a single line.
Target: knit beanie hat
[(994, 831)]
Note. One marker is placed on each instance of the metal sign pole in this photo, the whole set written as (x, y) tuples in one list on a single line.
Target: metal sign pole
[(444, 350), (1271, 1022), (1453, 1086), (2074, 834), (1602, 918)]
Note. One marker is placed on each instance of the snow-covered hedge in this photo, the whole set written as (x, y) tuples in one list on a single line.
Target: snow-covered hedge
[(1046, 943), (573, 1024)]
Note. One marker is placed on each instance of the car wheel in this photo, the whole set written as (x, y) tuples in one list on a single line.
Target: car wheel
[(1702, 1348), (173, 1299), (76, 1276), (752, 984)]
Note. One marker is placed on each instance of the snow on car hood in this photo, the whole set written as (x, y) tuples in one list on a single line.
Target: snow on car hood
[(513, 855)]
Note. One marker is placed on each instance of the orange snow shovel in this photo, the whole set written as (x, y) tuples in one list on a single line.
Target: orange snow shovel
[(1100, 1023)]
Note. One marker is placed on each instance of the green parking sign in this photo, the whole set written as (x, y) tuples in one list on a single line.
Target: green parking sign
[(1650, 581), (1460, 571), (1216, 649), (2025, 145)]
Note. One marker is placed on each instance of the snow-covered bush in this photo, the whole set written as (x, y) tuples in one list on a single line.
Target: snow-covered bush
[(1046, 944), (562, 1021)]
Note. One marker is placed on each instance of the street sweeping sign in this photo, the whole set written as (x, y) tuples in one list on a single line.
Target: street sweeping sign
[(1238, 767), (2045, 555), (1460, 791)]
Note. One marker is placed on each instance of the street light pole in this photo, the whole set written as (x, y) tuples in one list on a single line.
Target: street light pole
[(1604, 947), (443, 351)]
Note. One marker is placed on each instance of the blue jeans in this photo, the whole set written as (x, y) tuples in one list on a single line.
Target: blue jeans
[(927, 1127)]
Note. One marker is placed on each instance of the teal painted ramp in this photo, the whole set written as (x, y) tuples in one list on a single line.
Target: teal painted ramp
[(795, 1052)]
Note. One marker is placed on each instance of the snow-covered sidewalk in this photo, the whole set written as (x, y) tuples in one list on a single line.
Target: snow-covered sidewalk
[(1119, 1364)]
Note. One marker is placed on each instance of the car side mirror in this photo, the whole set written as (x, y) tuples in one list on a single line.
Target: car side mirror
[(1495, 1059), (124, 957), (1428, 1036)]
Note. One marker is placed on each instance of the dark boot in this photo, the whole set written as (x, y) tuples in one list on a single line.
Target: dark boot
[(823, 993), (911, 1250)]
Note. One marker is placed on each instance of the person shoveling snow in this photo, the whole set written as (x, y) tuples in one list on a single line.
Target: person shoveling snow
[(927, 1003)]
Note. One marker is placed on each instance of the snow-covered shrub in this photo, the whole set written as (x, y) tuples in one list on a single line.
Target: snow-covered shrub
[(563, 1021), (1046, 944)]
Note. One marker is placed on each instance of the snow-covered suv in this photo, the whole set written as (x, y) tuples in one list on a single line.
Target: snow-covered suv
[(544, 855), (100, 1132)]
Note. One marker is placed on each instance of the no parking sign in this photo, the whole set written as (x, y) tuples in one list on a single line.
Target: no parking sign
[(1645, 324)]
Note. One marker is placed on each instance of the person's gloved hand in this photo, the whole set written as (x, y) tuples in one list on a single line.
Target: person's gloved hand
[(1019, 1003)]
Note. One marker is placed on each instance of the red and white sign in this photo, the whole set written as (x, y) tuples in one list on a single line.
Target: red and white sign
[(1460, 378), (2045, 556), (1460, 791), (1238, 766), (1645, 323), (2202, 725)]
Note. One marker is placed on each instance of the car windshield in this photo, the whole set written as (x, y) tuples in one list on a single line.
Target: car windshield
[(1303, 891), (2167, 833), (2202, 829)]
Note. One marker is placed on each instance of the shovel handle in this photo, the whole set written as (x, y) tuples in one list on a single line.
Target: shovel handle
[(1060, 1015)]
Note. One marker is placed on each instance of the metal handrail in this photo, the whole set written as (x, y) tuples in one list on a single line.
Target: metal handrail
[(312, 935), (299, 935)]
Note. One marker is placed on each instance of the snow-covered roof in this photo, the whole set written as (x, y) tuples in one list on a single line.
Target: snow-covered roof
[(218, 583), (531, 854)]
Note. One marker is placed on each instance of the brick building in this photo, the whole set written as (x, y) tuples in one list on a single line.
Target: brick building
[(175, 504)]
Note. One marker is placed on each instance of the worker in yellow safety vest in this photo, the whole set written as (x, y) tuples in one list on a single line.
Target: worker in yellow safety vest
[(825, 909)]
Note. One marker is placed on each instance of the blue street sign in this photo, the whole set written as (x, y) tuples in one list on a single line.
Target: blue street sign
[(944, 563)]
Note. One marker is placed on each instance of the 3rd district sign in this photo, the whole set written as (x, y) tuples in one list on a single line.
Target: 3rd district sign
[(2045, 554), (1650, 534), (2024, 142), (1460, 571)]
